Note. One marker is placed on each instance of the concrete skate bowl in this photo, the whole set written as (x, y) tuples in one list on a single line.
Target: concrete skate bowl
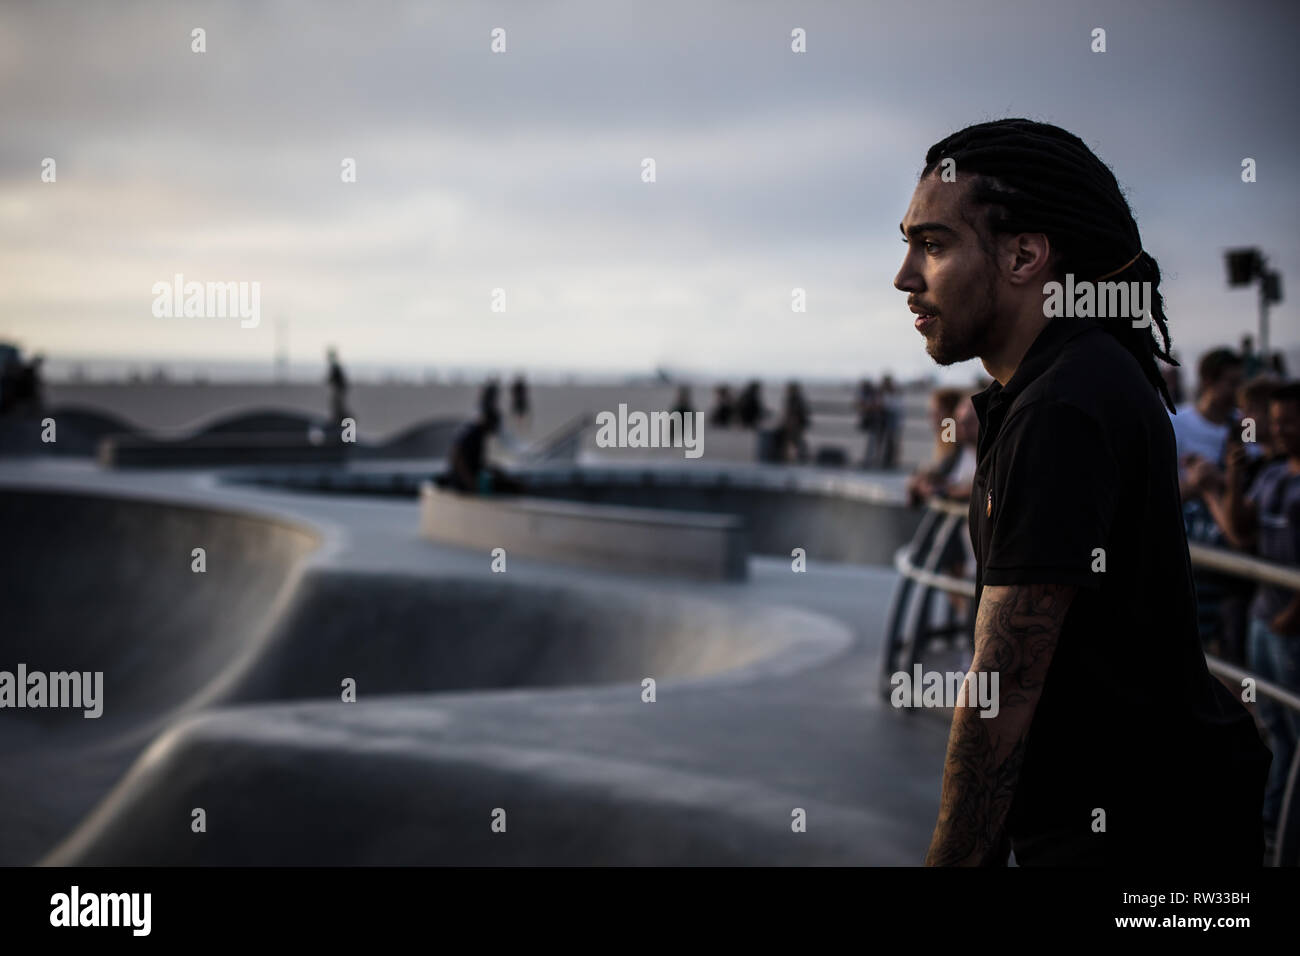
[(396, 634), (106, 584), (101, 583), (401, 777)]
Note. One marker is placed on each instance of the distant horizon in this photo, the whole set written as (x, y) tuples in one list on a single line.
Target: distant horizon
[(92, 369), (97, 370)]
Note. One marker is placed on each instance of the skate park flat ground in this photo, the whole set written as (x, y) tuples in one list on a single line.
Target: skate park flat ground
[(476, 692)]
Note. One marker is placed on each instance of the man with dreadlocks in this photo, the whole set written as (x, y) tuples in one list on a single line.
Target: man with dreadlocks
[(1113, 744)]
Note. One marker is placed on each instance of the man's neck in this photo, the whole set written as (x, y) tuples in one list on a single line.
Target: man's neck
[(1002, 360)]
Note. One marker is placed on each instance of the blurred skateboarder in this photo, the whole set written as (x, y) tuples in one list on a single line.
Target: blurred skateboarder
[(338, 385), (468, 469)]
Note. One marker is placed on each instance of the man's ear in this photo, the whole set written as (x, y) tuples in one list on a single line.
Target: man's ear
[(1031, 258)]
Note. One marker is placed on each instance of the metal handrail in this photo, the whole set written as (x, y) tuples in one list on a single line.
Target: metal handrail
[(907, 632)]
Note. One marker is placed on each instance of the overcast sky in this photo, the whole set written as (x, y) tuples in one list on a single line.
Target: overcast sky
[(522, 170)]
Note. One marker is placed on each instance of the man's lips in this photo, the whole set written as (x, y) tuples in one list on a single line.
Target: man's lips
[(923, 320)]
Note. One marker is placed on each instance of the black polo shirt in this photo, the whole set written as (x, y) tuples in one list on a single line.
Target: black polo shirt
[(1075, 454)]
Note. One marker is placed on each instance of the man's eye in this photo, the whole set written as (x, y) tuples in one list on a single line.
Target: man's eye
[(927, 243)]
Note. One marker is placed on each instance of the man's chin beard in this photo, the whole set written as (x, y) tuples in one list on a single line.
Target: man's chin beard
[(946, 352)]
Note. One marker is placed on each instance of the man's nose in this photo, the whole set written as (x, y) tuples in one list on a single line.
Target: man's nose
[(907, 279)]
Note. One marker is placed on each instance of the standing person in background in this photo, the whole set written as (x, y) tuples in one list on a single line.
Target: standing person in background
[(338, 386), (749, 407), (1201, 432), (1201, 427), (1268, 517), (1253, 401), (867, 405), (489, 400), (795, 420), (723, 407), (682, 405), (890, 422), (519, 402)]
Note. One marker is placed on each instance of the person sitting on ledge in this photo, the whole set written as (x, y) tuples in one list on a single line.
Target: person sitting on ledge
[(468, 470)]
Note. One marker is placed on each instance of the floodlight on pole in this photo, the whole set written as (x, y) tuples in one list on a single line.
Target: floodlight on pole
[(1244, 267)]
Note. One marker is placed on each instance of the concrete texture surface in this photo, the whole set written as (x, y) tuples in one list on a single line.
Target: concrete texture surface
[(653, 541), (475, 692)]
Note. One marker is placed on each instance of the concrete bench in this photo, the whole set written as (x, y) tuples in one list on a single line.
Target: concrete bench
[(614, 537)]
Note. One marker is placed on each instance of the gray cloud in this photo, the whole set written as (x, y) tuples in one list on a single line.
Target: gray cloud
[(522, 171)]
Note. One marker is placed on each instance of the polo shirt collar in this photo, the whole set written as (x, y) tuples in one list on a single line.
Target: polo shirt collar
[(994, 400)]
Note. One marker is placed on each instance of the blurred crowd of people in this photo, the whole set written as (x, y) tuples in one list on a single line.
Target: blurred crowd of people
[(786, 440), (878, 410), (1238, 441)]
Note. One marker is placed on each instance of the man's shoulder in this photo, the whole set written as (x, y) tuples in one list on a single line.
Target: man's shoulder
[(1096, 376)]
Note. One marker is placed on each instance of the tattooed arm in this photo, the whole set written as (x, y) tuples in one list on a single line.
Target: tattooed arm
[(1016, 630)]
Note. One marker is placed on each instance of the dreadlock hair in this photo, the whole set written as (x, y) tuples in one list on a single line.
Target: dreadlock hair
[(1035, 177)]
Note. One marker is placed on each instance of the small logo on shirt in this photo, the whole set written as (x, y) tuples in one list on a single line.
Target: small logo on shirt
[(988, 506)]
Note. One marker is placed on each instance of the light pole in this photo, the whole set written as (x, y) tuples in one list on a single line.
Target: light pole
[(1244, 267)]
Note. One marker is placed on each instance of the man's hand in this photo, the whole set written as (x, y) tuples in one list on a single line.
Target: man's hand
[(1016, 631)]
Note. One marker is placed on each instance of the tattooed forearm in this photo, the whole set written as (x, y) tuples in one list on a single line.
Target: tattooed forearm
[(1016, 630)]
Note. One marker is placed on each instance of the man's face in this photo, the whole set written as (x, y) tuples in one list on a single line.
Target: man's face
[(1285, 418), (1223, 391), (946, 273)]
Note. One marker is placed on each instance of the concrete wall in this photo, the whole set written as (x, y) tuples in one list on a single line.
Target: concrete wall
[(831, 519), (642, 540)]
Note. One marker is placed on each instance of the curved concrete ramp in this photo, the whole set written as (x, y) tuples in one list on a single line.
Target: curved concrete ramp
[(106, 584), (315, 785), (98, 583), (407, 779), (78, 431), (269, 420), (402, 635)]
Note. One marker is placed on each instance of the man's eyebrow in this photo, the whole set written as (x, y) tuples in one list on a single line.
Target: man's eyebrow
[(926, 227)]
